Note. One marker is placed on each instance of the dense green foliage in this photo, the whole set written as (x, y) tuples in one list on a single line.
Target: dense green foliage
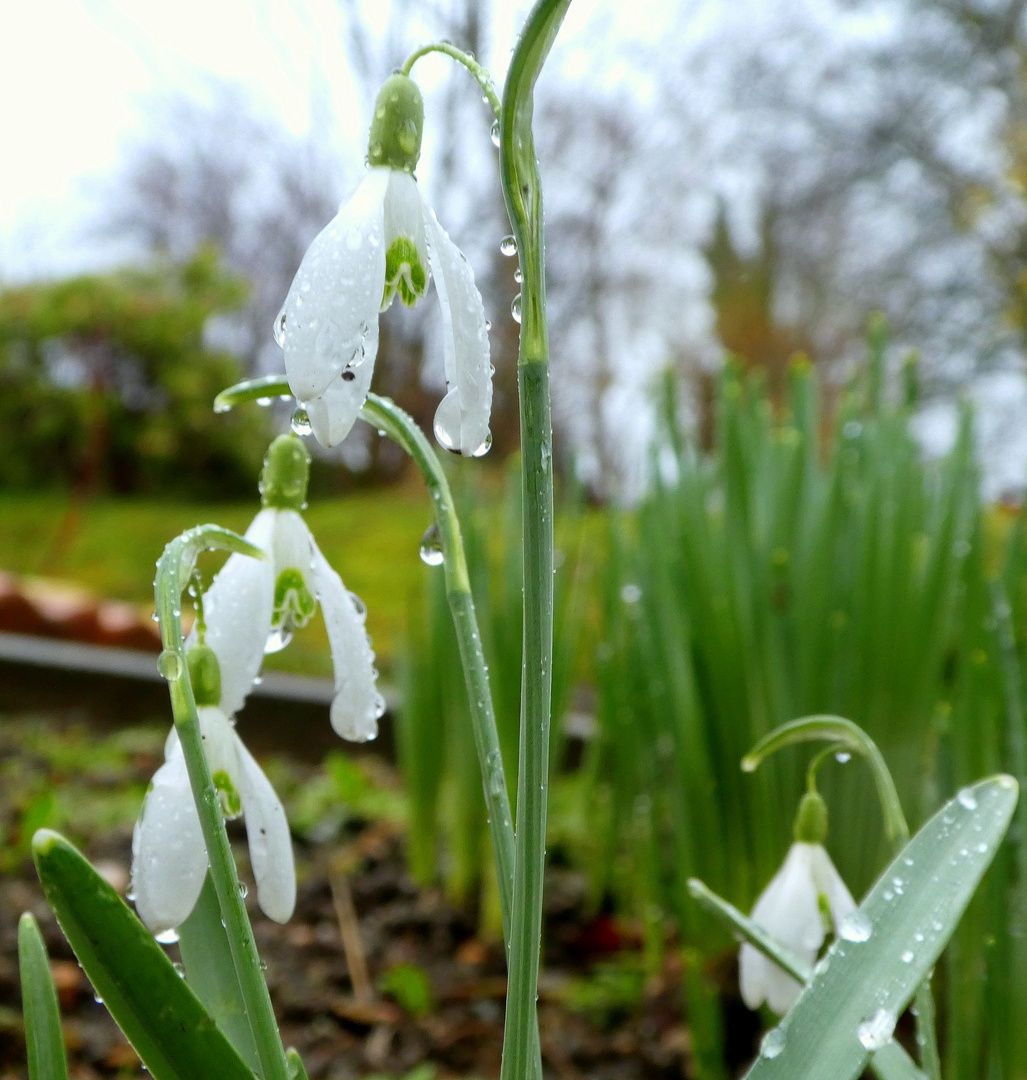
[(807, 563), (106, 384)]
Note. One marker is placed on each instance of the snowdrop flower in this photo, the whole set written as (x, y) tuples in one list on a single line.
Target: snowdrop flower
[(805, 893), (384, 242), (169, 857), (253, 606)]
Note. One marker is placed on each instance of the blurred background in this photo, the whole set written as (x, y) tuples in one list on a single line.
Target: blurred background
[(787, 271)]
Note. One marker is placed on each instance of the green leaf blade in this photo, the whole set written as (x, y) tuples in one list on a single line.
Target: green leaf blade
[(861, 987), (161, 1017), (43, 1035)]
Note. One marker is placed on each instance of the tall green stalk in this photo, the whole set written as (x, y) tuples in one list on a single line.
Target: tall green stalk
[(173, 573), (522, 191)]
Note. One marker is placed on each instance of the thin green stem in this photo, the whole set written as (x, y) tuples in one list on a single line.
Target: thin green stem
[(480, 73), (401, 428), (173, 572), (522, 191)]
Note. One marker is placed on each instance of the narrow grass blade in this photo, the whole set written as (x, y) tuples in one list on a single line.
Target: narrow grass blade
[(43, 1036), (161, 1017), (861, 987)]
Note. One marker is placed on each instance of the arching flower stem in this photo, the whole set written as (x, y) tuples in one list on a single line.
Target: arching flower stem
[(173, 573), (480, 73)]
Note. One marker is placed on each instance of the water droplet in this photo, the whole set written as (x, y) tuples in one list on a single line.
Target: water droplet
[(179, 969), (508, 246), (222, 407), (278, 330), (518, 276), (773, 1042), (485, 446), (842, 756), (169, 665), (967, 799), (300, 422), (855, 927), (495, 133), (243, 889), (168, 937), (263, 402), (515, 308), (907, 956), (876, 1029), (97, 999), (279, 637), (359, 604), (431, 546)]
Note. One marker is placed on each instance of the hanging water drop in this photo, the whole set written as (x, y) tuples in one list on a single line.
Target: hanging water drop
[(508, 246), (243, 889), (485, 446), (300, 422), (515, 308), (431, 546), (495, 133), (278, 330), (168, 937), (169, 665), (279, 637), (518, 276)]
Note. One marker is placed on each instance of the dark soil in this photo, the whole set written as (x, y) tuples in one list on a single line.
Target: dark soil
[(450, 1017)]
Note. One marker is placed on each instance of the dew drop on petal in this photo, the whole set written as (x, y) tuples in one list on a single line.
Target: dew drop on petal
[(485, 446), (508, 246), (773, 1043), (278, 329), (855, 927), (168, 937), (431, 546), (907, 956), (169, 665), (300, 422)]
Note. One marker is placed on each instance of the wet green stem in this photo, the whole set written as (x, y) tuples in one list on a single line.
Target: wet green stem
[(480, 73), (173, 573)]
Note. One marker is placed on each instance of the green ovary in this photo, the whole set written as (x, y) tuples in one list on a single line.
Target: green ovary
[(231, 802), (404, 272)]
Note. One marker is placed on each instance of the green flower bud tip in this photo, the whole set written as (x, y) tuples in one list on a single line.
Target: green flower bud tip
[(283, 482), (204, 675), (395, 139), (811, 819)]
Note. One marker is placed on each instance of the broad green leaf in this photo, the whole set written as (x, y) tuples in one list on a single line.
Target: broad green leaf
[(871, 971), (161, 1017), (43, 1036)]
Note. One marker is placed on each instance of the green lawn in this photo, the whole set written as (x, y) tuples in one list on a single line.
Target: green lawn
[(371, 538)]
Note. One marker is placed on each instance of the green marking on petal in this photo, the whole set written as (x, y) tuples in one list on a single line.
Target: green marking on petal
[(231, 801), (294, 602), (404, 272)]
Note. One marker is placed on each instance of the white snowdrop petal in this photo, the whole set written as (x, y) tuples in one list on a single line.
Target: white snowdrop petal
[(267, 831), (829, 882), (465, 345), (237, 610), (220, 742), (334, 412), (788, 910), (169, 858), (357, 703), (334, 299), (292, 544)]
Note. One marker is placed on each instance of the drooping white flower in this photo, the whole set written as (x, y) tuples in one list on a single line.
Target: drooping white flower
[(253, 606), (805, 892), (169, 856), (385, 241)]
